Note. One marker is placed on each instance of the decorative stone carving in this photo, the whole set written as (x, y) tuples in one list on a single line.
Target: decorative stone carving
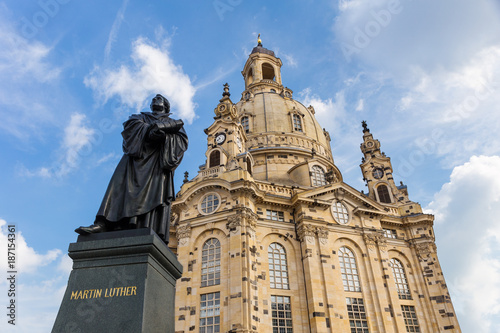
[(382, 243), (370, 241), (306, 232), (322, 233), (183, 233), (233, 222), (424, 250)]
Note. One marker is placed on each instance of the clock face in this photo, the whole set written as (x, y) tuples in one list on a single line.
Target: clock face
[(369, 144), (378, 173), (220, 138)]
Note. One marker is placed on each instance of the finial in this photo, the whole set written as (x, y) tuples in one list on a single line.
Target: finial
[(259, 41), (186, 175), (365, 126), (226, 90)]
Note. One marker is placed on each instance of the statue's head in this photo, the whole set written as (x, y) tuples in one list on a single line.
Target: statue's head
[(160, 104)]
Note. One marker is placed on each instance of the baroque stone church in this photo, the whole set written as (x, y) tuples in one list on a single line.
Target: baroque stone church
[(272, 239)]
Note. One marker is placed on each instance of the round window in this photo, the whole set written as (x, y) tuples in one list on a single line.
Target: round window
[(339, 212), (210, 203), (378, 173)]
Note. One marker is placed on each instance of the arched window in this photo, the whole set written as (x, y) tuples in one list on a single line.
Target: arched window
[(349, 270), (250, 77), (297, 123), (245, 123), (210, 263), (318, 176), (383, 194), (249, 166), (278, 268), (400, 279), (214, 159), (267, 71)]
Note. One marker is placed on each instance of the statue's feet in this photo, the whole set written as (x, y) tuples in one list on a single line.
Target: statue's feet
[(91, 229)]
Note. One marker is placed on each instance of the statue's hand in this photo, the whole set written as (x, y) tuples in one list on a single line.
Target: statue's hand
[(171, 126), (155, 133)]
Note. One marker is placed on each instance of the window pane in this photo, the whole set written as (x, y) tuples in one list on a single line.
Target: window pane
[(348, 270), (278, 267), (280, 324), (210, 263)]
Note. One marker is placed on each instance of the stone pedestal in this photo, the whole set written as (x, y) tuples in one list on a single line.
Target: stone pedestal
[(122, 281)]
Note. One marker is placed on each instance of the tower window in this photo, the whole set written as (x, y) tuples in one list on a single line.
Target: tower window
[(249, 166), (281, 314), (383, 194), (210, 263), (349, 270), (318, 176), (297, 123), (400, 279), (357, 315), (214, 159), (245, 123), (210, 313), (250, 77), (278, 268), (275, 215), (410, 316), (267, 71)]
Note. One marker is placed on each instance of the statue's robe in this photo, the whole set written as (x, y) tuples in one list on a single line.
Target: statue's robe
[(142, 187)]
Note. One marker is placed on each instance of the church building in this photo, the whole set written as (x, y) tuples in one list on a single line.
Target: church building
[(272, 240)]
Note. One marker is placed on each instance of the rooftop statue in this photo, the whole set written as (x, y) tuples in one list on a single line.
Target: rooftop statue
[(141, 189)]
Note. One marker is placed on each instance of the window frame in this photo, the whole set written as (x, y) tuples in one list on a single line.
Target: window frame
[(400, 279), (202, 203), (411, 322), (318, 176), (339, 215), (385, 194), (210, 158), (286, 311), (206, 299), (280, 216), (208, 263), (297, 120), (356, 312), (349, 270), (245, 123), (282, 263)]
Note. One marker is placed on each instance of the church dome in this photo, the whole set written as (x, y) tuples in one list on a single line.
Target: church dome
[(282, 134)]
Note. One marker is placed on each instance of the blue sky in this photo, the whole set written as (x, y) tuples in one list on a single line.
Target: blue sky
[(424, 74)]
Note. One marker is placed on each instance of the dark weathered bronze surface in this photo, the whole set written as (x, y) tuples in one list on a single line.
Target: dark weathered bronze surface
[(141, 189)]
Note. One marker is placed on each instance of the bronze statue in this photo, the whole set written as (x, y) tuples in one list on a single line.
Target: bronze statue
[(141, 189)]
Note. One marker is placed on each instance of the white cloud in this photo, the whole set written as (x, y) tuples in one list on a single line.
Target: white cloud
[(467, 230), (361, 105), (400, 34), (39, 289), (432, 76), (27, 259), (27, 72), (77, 137), (290, 60), (344, 129), (115, 29), (153, 71)]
